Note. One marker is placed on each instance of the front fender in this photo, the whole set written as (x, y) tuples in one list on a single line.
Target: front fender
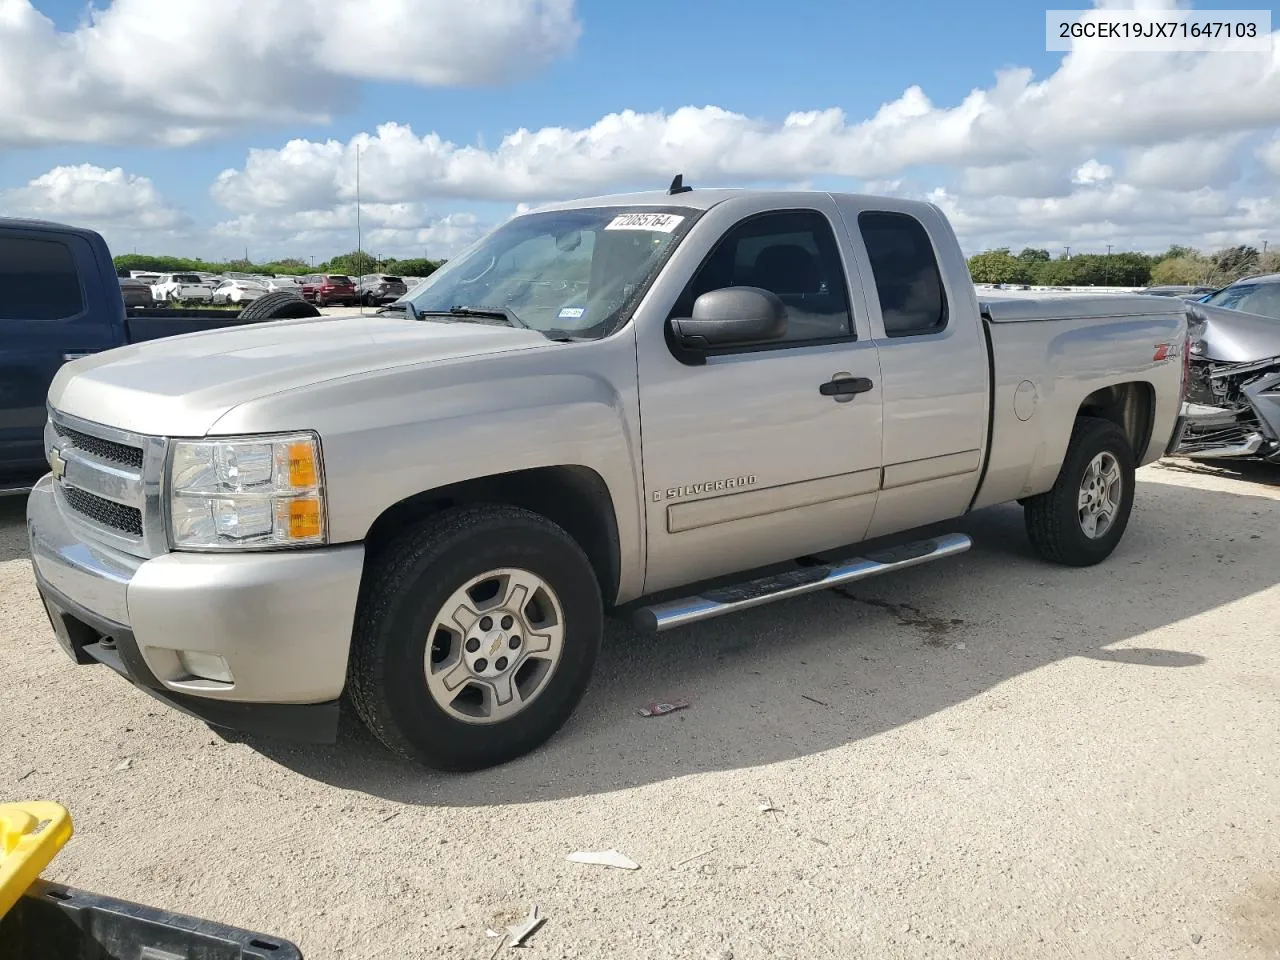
[(392, 434)]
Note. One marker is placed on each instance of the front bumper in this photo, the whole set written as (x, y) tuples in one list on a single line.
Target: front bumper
[(280, 621)]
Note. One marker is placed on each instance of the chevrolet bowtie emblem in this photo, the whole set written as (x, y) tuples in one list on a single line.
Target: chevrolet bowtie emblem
[(58, 465)]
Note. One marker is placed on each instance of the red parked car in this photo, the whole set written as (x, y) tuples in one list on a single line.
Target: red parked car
[(326, 288)]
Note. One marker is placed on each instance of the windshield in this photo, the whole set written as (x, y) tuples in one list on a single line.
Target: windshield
[(570, 273), (1260, 298)]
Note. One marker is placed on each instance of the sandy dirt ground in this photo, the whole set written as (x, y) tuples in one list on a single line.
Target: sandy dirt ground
[(986, 757)]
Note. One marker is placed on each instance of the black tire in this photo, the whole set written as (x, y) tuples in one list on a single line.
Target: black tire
[(281, 305), (405, 586), (1053, 518)]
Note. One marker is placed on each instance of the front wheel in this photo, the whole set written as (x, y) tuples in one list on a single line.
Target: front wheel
[(1080, 521), (476, 636)]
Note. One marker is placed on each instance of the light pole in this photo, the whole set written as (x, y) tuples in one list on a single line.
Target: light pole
[(359, 235), (1106, 268)]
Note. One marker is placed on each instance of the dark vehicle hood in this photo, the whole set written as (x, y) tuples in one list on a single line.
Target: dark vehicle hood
[(1231, 336)]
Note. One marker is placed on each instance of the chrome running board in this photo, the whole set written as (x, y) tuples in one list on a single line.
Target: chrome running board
[(792, 583)]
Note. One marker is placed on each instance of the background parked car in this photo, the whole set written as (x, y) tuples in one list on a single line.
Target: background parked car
[(325, 288), (1185, 291), (238, 291), (182, 286), (136, 293), (276, 284), (377, 288), (1259, 295)]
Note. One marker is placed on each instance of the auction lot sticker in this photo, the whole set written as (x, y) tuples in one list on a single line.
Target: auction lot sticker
[(657, 222)]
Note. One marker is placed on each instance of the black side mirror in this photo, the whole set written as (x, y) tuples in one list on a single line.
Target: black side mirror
[(731, 317)]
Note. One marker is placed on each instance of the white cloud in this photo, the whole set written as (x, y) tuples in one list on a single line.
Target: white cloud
[(1120, 214), (388, 229), (1095, 101), (1269, 154), (1027, 178), (157, 72), (1091, 171), (95, 197), (1185, 164)]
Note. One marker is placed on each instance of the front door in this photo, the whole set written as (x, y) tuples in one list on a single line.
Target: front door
[(755, 457)]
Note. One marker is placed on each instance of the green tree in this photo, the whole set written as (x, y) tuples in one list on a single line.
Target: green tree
[(354, 264), (998, 266), (1176, 252), (1033, 255), (1269, 262), (1180, 270), (1058, 273), (1235, 262), (417, 267)]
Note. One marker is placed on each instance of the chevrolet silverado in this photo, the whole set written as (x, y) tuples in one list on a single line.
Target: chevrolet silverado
[(609, 405)]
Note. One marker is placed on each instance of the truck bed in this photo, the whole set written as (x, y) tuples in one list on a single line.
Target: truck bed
[(144, 324), (1108, 344), (1021, 309)]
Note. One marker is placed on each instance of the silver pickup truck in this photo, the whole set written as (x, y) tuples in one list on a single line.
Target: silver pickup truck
[(670, 405)]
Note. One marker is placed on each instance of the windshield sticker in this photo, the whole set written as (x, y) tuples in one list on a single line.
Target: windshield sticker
[(571, 313), (657, 222)]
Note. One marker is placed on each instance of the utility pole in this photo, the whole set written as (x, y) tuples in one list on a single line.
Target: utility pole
[(359, 234), (1106, 268), (1068, 253)]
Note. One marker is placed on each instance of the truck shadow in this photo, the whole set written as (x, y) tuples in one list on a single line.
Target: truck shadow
[(818, 672), (13, 528), (1249, 471)]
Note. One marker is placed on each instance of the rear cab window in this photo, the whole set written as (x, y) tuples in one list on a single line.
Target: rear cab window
[(38, 280), (904, 267)]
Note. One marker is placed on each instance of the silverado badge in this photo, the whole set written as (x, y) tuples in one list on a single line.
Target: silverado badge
[(707, 486)]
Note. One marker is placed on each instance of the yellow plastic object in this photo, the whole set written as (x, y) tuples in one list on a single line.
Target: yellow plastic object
[(31, 834)]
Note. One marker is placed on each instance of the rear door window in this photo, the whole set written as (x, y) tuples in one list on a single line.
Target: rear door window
[(908, 281), (38, 280)]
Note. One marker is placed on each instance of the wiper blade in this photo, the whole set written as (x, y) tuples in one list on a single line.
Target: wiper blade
[(404, 307), (489, 313)]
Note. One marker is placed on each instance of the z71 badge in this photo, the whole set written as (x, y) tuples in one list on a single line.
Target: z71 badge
[(710, 486)]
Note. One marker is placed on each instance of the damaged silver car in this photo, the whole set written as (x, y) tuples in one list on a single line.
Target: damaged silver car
[(1232, 405)]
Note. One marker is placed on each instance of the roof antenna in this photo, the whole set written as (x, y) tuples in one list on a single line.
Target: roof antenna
[(677, 186)]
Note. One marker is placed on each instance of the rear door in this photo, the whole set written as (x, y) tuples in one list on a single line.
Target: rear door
[(52, 309), (933, 361)]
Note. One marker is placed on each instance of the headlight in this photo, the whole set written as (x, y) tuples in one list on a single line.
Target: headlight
[(246, 493)]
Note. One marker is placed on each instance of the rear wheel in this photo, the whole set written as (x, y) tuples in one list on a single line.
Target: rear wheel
[(475, 638), (1081, 520)]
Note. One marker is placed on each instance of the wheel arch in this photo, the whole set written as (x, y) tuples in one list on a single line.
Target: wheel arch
[(1130, 406), (574, 497)]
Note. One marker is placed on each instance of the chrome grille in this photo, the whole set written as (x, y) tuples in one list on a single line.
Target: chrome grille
[(105, 449), (108, 481), (101, 510)]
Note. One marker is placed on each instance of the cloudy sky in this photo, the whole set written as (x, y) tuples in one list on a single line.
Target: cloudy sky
[(208, 127)]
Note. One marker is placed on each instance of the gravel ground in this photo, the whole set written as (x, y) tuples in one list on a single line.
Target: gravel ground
[(999, 759)]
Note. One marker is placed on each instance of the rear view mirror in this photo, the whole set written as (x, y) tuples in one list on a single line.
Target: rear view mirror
[(569, 241), (731, 317)]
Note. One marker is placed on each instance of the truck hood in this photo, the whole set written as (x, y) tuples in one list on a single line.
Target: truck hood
[(180, 386), (1233, 336)]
